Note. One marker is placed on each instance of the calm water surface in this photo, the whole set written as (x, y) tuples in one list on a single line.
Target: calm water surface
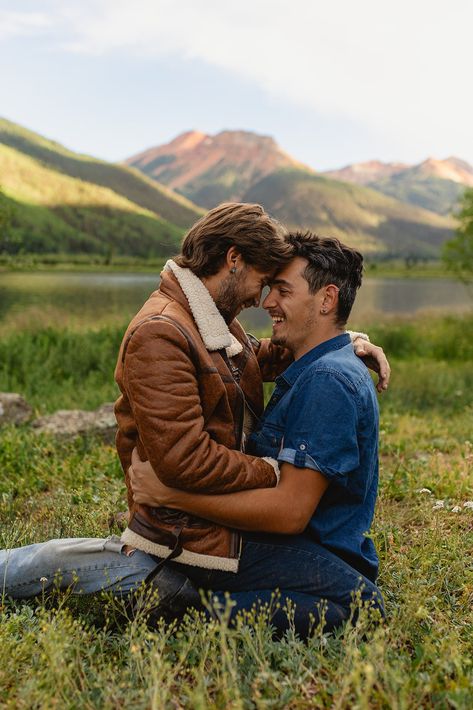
[(74, 298)]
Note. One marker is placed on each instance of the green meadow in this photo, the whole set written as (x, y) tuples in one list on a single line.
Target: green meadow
[(72, 652)]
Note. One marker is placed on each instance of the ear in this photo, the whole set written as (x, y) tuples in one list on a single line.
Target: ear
[(330, 299), (232, 257)]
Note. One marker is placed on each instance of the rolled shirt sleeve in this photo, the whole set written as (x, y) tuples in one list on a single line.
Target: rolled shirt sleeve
[(321, 426)]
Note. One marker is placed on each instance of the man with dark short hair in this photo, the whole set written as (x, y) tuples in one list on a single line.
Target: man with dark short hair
[(309, 536)]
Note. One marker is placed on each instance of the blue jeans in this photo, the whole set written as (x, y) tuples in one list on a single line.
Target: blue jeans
[(304, 573)]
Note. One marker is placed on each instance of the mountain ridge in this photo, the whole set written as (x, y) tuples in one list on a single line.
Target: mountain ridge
[(433, 184), (209, 169), (253, 165)]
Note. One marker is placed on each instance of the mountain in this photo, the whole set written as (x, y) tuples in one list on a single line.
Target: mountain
[(452, 169), (213, 169), (365, 173), (362, 217), (69, 203), (244, 166), (435, 185)]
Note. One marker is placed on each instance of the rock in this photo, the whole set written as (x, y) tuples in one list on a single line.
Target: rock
[(69, 423), (14, 409)]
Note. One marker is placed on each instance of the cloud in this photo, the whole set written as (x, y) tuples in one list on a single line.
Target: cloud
[(400, 68), (22, 24)]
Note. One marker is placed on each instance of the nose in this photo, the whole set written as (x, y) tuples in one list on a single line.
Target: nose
[(269, 302)]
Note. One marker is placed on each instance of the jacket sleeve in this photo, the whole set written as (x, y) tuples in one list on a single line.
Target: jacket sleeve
[(161, 383), (272, 359)]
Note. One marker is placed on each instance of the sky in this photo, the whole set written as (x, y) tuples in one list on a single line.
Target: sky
[(333, 81)]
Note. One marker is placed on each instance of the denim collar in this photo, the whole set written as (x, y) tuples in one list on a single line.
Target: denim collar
[(291, 374)]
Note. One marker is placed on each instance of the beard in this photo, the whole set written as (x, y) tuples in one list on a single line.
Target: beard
[(230, 295), (279, 340)]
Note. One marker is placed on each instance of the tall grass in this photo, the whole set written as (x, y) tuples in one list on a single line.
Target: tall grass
[(65, 368), (61, 369), (71, 652)]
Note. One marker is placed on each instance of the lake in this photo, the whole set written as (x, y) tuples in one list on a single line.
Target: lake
[(81, 298)]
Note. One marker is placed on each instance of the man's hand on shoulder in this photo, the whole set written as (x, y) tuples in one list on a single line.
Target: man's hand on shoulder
[(373, 356)]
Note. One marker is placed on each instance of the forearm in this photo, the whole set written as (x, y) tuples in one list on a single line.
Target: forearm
[(285, 509), (257, 510)]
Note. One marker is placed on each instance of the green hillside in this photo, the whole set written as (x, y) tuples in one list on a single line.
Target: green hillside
[(55, 213), (123, 180), (431, 193), (63, 202), (362, 217)]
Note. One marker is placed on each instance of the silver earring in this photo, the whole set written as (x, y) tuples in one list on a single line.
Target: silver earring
[(233, 270), (323, 310)]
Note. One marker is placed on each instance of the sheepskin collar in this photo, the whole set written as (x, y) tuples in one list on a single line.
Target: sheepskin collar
[(212, 327)]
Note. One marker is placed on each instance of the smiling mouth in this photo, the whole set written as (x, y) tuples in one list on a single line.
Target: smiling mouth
[(277, 320)]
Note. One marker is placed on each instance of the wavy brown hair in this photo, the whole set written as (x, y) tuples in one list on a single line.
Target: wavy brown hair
[(259, 238)]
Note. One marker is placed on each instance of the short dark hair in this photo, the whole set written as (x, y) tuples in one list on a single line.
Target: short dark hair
[(330, 262), (259, 238)]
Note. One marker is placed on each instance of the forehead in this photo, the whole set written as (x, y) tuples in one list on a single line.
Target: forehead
[(266, 275), (293, 272)]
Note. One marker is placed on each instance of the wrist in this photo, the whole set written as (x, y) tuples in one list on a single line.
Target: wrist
[(272, 462)]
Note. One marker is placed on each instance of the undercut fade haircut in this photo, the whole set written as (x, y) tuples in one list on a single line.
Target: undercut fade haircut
[(330, 262), (260, 239)]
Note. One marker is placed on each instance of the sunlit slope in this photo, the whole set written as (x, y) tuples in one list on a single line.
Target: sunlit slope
[(55, 213), (435, 185), (430, 192), (123, 180), (362, 217)]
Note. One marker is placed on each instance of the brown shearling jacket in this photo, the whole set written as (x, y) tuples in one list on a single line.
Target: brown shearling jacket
[(182, 405)]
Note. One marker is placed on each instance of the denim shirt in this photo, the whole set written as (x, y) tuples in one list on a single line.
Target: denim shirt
[(323, 415)]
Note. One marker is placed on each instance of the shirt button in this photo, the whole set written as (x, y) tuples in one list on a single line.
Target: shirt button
[(302, 447)]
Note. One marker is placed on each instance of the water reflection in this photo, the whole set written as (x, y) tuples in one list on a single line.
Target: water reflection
[(97, 297)]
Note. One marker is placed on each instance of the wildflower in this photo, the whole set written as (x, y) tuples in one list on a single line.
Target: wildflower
[(43, 580), (438, 505), (468, 504), (424, 490), (456, 509)]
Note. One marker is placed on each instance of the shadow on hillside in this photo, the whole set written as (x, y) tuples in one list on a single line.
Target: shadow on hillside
[(404, 238)]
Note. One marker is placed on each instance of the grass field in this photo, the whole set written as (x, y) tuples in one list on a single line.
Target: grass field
[(70, 652)]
